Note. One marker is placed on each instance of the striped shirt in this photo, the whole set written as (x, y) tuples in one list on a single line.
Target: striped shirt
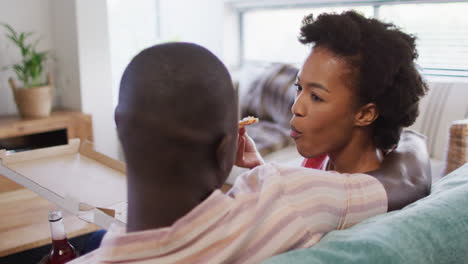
[(270, 209)]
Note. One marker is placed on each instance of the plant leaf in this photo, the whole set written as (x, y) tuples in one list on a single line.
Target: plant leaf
[(30, 69), (14, 40), (21, 38), (12, 31)]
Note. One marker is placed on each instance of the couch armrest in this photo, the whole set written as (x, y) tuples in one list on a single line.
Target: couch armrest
[(457, 152)]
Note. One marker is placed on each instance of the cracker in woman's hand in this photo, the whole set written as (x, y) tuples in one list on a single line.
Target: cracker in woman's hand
[(248, 121)]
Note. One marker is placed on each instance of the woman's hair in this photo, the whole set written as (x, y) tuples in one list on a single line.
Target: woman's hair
[(382, 62)]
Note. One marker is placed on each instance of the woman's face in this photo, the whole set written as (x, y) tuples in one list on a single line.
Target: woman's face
[(323, 110)]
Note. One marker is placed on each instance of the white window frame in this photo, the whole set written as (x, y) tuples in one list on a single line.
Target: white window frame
[(240, 7)]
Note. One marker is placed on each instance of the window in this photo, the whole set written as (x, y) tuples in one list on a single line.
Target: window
[(442, 32), (269, 33)]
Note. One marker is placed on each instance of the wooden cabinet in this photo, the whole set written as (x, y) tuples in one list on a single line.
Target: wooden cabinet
[(18, 133)]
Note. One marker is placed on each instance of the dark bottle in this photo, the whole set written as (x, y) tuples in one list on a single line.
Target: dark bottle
[(62, 251)]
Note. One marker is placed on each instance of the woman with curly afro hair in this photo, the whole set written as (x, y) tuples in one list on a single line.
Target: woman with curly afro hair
[(356, 91)]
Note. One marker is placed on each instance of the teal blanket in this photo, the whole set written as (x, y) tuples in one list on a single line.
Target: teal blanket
[(431, 230)]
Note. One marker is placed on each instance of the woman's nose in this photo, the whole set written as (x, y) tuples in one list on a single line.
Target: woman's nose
[(298, 108)]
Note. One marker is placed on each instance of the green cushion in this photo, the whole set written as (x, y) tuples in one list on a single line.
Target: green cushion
[(431, 230)]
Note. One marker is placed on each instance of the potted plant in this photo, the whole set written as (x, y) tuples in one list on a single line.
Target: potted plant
[(34, 99)]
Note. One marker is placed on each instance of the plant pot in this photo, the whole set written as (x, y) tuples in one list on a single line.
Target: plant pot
[(35, 101)]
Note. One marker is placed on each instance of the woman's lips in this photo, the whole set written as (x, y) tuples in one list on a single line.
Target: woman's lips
[(294, 133)]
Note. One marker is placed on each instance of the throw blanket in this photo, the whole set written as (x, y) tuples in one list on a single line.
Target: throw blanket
[(270, 98)]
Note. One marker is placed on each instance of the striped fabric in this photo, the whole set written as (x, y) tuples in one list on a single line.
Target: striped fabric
[(270, 98), (270, 210)]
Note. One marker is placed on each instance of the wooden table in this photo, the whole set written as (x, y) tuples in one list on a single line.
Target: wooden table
[(23, 214)]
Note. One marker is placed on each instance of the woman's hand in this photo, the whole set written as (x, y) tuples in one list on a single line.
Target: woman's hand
[(247, 154)]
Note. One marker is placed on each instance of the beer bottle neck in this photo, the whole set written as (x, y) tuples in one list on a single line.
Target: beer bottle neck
[(57, 230)]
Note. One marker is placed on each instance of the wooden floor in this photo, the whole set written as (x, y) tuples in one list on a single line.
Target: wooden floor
[(23, 219)]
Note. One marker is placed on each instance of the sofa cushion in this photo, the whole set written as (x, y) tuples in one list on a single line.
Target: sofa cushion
[(431, 230)]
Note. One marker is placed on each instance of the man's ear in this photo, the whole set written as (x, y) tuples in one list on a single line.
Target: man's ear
[(366, 115), (224, 157)]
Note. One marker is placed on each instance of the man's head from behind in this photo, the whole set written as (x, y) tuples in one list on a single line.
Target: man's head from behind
[(177, 117)]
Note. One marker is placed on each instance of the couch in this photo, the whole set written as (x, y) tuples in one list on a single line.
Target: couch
[(266, 91), (431, 230)]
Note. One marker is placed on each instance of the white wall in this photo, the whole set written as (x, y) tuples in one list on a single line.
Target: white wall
[(67, 77), (132, 28), (95, 72), (199, 22), (231, 41), (210, 23), (22, 15)]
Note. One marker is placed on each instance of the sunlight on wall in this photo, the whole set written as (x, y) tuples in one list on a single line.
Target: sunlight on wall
[(132, 28)]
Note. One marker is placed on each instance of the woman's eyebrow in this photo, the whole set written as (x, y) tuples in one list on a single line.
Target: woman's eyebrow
[(314, 85)]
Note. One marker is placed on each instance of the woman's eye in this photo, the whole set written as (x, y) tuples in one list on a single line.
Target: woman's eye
[(298, 87), (316, 98)]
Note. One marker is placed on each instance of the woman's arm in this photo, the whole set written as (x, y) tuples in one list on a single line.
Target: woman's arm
[(406, 172)]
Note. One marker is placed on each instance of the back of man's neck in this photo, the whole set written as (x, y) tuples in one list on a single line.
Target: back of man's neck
[(152, 206)]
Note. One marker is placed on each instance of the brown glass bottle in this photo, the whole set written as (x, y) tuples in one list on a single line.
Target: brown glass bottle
[(62, 251)]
